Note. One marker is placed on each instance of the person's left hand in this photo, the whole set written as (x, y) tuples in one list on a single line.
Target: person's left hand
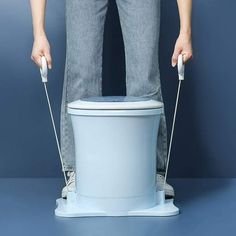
[(183, 46)]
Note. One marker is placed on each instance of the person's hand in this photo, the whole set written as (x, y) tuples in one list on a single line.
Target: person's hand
[(41, 48), (183, 46)]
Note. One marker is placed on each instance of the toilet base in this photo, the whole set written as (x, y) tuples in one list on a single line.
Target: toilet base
[(71, 208)]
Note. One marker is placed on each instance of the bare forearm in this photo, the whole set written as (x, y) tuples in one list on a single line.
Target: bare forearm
[(38, 16), (185, 12), (41, 46), (183, 43)]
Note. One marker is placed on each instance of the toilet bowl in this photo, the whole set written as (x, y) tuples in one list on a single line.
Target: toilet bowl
[(115, 154)]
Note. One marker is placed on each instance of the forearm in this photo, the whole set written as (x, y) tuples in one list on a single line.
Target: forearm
[(183, 43), (38, 16), (41, 46), (185, 12)]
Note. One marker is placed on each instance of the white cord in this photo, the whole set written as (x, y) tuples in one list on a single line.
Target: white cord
[(172, 133), (55, 133)]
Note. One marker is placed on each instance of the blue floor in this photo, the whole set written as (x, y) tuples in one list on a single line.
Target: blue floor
[(208, 207)]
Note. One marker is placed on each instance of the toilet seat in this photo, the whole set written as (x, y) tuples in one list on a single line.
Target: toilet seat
[(115, 103), (115, 106)]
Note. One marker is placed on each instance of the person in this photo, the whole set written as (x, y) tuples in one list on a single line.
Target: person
[(140, 24)]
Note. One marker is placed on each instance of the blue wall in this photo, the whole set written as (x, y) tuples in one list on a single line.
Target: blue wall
[(204, 144)]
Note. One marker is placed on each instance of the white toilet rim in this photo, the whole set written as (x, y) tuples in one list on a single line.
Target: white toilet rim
[(116, 112), (115, 103)]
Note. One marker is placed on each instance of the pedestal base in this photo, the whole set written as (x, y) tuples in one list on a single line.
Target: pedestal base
[(70, 207)]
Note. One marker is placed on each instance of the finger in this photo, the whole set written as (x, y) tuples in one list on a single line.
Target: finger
[(37, 60), (49, 60), (174, 59), (187, 57)]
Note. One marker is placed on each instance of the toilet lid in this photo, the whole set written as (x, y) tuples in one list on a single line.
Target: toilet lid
[(115, 102)]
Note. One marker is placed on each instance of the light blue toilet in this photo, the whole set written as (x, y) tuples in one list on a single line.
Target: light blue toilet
[(115, 145)]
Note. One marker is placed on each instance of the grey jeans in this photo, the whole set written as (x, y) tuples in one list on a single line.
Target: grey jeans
[(140, 23)]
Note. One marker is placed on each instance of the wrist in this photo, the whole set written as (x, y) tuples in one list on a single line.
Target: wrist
[(39, 34), (185, 33)]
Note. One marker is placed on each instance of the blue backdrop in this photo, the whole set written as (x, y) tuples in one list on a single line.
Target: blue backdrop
[(204, 143)]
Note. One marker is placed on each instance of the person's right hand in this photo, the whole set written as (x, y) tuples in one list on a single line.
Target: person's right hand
[(41, 47)]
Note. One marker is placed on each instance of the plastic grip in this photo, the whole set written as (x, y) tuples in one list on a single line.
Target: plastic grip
[(44, 70), (181, 67)]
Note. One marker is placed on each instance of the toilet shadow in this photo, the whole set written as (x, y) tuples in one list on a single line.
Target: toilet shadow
[(188, 191)]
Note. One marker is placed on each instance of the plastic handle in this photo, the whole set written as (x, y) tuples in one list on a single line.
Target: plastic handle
[(44, 70), (181, 67)]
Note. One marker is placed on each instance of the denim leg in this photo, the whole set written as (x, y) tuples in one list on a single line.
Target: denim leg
[(85, 21), (140, 23)]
